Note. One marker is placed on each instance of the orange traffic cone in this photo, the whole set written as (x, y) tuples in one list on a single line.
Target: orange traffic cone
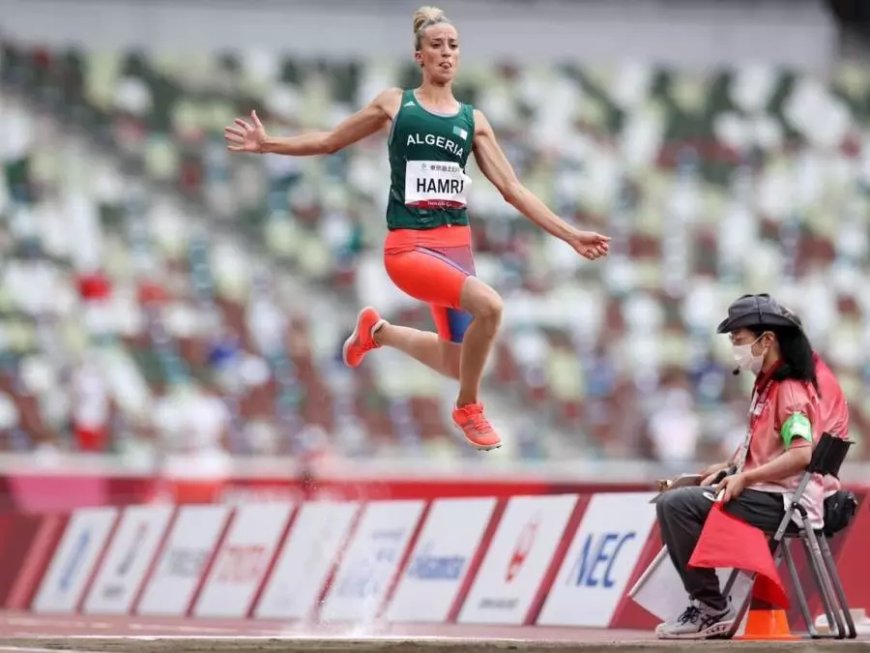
[(766, 621)]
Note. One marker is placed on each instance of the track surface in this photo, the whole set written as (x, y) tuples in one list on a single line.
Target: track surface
[(27, 633)]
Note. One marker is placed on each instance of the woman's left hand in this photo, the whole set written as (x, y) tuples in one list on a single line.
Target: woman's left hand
[(733, 486), (589, 244)]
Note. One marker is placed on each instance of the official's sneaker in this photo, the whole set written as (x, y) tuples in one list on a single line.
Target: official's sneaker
[(698, 621), (362, 340), (477, 429)]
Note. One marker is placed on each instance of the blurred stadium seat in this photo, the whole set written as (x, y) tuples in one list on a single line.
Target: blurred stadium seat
[(158, 294)]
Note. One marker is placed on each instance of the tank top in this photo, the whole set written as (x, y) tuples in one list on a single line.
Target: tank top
[(428, 153)]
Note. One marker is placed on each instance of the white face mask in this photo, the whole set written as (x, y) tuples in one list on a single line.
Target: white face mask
[(745, 359)]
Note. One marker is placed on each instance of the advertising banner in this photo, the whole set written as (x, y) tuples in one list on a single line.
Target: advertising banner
[(183, 560), (600, 560), (73, 563), (312, 546), (521, 551), (371, 560), (440, 560), (129, 557), (243, 560)]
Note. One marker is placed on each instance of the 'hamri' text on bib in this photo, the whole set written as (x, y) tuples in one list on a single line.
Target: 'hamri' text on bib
[(435, 185)]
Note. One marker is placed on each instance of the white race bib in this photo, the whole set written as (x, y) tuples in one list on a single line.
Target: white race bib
[(435, 185)]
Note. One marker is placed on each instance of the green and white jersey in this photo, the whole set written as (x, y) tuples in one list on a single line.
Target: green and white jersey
[(428, 154)]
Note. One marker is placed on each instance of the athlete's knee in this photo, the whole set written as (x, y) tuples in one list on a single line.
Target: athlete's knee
[(488, 314), (491, 308), (483, 302)]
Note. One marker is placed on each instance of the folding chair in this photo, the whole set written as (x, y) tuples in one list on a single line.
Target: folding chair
[(828, 456)]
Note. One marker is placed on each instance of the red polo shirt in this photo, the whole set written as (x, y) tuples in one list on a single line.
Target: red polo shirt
[(785, 415)]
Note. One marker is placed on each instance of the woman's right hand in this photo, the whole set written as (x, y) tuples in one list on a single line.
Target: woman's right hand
[(243, 136), (589, 244)]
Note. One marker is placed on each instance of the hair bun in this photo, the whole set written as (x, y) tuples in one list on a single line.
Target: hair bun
[(427, 14)]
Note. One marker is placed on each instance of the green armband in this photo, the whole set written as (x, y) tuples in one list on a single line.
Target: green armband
[(796, 426)]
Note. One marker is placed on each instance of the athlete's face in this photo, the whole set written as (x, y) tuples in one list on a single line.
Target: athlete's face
[(439, 53)]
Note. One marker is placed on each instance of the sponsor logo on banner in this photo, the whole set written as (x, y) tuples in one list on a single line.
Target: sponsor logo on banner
[(518, 557), (301, 569), (68, 575), (427, 566), (524, 544), (600, 560), (364, 578), (127, 559), (594, 565), (242, 564), (371, 560), (243, 560), (491, 603), (139, 538), (74, 560), (193, 538), (186, 562)]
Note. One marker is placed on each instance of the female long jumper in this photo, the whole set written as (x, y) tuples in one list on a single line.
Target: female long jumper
[(427, 253)]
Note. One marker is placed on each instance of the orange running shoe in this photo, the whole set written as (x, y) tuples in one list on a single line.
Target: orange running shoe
[(477, 429), (362, 340)]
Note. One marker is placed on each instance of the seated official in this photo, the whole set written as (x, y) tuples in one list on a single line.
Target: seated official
[(833, 419), (784, 420)]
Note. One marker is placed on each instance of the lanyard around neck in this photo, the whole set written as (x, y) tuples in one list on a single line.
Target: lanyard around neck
[(763, 385)]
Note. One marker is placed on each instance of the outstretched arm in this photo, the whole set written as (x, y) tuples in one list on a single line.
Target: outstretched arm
[(496, 167), (244, 136)]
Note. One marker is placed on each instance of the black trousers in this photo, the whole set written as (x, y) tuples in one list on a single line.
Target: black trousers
[(681, 514)]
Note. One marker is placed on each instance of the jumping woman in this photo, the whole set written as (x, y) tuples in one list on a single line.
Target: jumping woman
[(427, 252)]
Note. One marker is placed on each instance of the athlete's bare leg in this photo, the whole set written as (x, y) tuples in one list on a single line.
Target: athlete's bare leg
[(464, 362), (424, 346), (485, 306)]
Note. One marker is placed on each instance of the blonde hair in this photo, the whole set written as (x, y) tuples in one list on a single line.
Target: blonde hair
[(424, 17)]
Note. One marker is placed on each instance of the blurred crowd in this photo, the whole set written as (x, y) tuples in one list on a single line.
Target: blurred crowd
[(160, 295)]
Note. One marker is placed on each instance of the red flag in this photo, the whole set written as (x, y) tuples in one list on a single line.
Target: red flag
[(727, 541)]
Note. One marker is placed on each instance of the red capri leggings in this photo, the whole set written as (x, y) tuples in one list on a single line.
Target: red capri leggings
[(431, 265)]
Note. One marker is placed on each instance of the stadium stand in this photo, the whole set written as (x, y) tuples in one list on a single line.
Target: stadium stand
[(158, 294)]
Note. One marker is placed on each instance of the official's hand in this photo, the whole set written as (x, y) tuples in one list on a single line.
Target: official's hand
[(733, 486), (589, 244), (244, 136)]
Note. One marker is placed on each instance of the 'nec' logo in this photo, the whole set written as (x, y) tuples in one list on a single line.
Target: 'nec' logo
[(598, 554)]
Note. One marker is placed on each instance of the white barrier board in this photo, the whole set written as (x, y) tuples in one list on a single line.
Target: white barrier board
[(440, 561), (313, 544), (73, 563), (129, 557), (600, 560), (243, 560), (182, 563), (519, 556), (371, 560)]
